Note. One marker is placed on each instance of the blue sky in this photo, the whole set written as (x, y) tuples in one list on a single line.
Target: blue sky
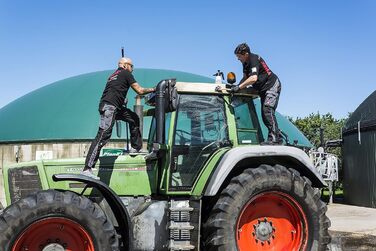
[(323, 51)]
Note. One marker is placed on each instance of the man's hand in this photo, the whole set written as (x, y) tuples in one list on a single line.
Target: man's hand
[(234, 89), (218, 88)]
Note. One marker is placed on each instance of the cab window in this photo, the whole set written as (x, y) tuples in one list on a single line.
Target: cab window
[(200, 129), (247, 126)]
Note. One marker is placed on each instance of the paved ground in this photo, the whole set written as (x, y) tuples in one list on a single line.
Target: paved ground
[(352, 227)]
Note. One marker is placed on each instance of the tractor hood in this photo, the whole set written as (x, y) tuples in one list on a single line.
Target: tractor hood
[(123, 174)]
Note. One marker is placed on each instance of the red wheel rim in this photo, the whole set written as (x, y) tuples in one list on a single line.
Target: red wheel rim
[(272, 221), (54, 232)]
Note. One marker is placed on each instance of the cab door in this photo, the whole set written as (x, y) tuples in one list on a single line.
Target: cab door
[(200, 130)]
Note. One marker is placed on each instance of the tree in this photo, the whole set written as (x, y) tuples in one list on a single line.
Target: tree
[(310, 126)]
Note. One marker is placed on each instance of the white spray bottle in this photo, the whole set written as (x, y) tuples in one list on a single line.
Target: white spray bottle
[(218, 77)]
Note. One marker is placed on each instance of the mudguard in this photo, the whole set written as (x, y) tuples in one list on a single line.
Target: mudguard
[(114, 201), (233, 156)]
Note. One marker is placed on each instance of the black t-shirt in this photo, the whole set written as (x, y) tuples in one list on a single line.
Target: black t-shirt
[(257, 66), (117, 87)]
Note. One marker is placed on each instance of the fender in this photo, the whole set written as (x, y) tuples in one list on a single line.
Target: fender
[(233, 156), (117, 207)]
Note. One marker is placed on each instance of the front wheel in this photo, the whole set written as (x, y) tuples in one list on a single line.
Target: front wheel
[(53, 220), (268, 208)]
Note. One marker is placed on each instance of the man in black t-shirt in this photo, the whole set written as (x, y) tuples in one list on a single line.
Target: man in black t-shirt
[(111, 108), (257, 74)]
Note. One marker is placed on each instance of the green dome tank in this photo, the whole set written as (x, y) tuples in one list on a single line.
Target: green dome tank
[(67, 110)]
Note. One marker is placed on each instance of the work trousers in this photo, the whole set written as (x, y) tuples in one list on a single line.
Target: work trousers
[(269, 103), (108, 115)]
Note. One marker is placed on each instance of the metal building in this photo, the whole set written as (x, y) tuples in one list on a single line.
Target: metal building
[(59, 120), (359, 155)]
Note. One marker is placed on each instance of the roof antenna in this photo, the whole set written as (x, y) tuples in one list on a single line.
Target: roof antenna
[(126, 124)]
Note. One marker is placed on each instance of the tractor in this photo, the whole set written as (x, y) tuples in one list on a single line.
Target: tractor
[(204, 183)]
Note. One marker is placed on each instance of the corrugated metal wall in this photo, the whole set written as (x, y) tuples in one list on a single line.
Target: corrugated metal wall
[(28, 152), (359, 167), (359, 155)]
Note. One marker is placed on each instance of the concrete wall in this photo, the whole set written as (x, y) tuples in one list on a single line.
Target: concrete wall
[(22, 152)]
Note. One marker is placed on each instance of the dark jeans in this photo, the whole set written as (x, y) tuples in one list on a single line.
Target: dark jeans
[(269, 103), (108, 115)]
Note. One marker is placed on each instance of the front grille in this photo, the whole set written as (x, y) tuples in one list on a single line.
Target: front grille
[(23, 181)]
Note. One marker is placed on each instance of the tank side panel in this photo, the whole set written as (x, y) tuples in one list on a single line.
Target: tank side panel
[(359, 169)]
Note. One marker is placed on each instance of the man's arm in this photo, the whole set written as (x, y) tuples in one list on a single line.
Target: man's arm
[(140, 90), (254, 70), (249, 81), (243, 79)]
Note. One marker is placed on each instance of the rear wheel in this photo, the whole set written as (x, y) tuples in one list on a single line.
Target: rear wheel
[(53, 220), (268, 208)]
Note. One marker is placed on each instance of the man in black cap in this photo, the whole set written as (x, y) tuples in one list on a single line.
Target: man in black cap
[(111, 108), (257, 74)]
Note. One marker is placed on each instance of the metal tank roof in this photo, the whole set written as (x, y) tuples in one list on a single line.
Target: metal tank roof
[(365, 114), (358, 153), (67, 110)]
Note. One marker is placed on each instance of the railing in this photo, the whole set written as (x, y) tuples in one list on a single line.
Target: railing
[(327, 165)]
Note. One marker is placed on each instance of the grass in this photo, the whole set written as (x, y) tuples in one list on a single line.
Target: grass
[(337, 196)]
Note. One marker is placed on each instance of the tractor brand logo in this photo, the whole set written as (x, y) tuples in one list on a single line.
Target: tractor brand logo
[(106, 169), (74, 169)]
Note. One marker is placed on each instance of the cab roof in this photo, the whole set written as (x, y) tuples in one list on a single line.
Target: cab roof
[(208, 88)]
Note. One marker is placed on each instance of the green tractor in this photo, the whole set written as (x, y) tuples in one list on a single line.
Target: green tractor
[(205, 183)]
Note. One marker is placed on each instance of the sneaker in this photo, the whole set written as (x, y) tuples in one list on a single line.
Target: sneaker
[(133, 151), (89, 173)]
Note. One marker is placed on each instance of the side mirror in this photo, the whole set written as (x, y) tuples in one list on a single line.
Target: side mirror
[(231, 78)]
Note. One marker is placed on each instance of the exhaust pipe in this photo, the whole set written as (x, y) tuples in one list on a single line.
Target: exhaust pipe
[(160, 101), (138, 108)]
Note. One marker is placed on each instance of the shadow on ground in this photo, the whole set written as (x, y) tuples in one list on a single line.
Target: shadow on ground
[(351, 241)]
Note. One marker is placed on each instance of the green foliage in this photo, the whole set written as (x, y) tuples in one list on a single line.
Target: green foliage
[(310, 126)]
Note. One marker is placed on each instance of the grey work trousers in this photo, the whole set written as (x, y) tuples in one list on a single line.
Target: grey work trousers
[(269, 103), (108, 115)]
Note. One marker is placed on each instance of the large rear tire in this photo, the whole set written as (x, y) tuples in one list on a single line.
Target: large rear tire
[(53, 220), (268, 208)]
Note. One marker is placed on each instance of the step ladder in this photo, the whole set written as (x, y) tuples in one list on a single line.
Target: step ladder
[(184, 222)]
